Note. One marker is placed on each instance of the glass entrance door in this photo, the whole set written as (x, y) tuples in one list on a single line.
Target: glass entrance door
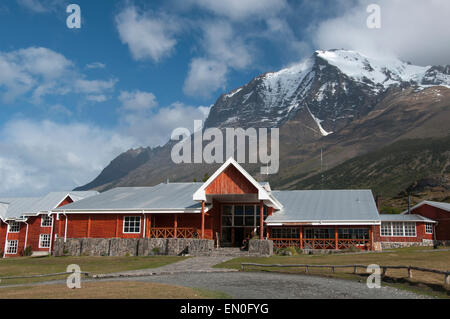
[(238, 223)]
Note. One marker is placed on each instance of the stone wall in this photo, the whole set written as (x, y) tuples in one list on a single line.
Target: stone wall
[(132, 247), (423, 243), (260, 247)]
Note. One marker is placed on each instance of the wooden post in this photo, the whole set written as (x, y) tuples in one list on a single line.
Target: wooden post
[(355, 269), (261, 219), (383, 273), (175, 225), (447, 279), (409, 272), (301, 237), (117, 226), (203, 220), (149, 224), (89, 227), (336, 237)]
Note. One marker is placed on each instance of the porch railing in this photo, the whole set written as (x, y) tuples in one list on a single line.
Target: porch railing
[(316, 243), (169, 232)]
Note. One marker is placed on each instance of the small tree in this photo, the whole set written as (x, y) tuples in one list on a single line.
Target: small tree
[(205, 177)]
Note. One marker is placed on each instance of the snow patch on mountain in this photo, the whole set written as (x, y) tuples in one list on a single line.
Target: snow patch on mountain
[(380, 71), (319, 124)]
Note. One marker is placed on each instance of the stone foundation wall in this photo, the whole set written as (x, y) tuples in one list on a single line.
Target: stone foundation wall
[(423, 243), (132, 247), (260, 247)]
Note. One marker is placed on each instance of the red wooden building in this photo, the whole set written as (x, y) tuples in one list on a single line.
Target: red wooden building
[(440, 212), (230, 206), (28, 221)]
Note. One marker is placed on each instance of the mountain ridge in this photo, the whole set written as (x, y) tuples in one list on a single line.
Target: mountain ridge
[(316, 106)]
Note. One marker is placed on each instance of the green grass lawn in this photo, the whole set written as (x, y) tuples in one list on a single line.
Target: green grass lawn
[(426, 283), (110, 290), (25, 266)]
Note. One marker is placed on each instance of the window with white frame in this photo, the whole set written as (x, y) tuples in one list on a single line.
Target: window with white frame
[(398, 229), (132, 224), (44, 241), (429, 228), (410, 229), (386, 229), (13, 227), (46, 221), (11, 247)]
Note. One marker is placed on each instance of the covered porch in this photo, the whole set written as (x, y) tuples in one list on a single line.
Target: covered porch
[(330, 237)]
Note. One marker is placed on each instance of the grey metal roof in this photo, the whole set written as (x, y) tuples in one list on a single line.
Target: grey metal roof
[(404, 218), (16, 207), (325, 205), (440, 205), (175, 196)]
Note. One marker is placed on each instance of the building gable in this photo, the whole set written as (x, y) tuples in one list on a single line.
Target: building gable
[(231, 181)]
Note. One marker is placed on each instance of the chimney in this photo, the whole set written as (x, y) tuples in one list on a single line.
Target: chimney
[(378, 202)]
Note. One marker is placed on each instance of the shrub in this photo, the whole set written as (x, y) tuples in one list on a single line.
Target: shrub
[(27, 251)]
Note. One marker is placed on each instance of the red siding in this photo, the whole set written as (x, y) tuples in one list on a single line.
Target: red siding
[(231, 181), (439, 215), (420, 235)]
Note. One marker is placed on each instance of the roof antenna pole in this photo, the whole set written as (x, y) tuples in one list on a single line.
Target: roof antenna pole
[(409, 203), (321, 167)]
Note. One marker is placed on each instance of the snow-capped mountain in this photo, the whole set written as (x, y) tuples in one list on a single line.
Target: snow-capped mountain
[(339, 102), (335, 86)]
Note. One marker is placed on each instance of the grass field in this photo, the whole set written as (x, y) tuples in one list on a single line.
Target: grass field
[(26, 266), (425, 283), (110, 290)]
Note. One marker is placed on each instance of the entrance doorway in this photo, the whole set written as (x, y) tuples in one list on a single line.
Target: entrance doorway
[(238, 222)]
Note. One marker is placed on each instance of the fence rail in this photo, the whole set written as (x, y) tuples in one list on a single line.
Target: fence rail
[(316, 243), (43, 275), (169, 232), (384, 269)]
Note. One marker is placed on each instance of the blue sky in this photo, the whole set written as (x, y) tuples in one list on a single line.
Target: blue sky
[(73, 99)]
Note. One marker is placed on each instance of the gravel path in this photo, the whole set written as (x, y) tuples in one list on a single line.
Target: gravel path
[(254, 285), (190, 265)]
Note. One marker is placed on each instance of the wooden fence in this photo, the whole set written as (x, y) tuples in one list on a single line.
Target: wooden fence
[(355, 267), (44, 275)]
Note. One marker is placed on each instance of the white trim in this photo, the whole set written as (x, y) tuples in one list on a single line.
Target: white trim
[(6, 239), (51, 235), (403, 228), (40, 240), (200, 194), (66, 222), (323, 222), (16, 223), (428, 224), (136, 211), (26, 237), (42, 220), (123, 225), (7, 247)]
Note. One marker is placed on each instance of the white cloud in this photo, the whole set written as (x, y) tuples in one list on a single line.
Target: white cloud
[(36, 72), (41, 156), (239, 9), (224, 49), (41, 6), (137, 100), (97, 98), (148, 36), (154, 128), (205, 77), (96, 65), (413, 30)]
